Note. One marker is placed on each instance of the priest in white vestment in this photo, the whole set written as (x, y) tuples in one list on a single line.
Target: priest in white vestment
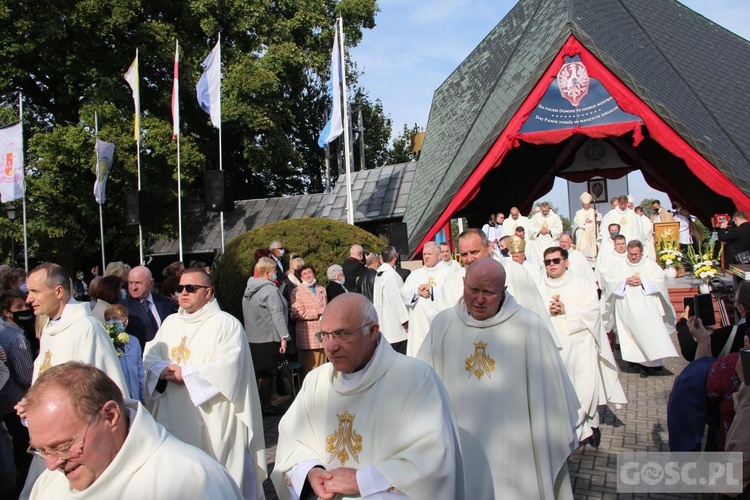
[(515, 406), (546, 228), (608, 265), (585, 228), (371, 423), (447, 260), (574, 310), (386, 296), (514, 221), (121, 451), (517, 251), (473, 245), (630, 226), (578, 265), (649, 245), (644, 316), (200, 383), (419, 292), (71, 333)]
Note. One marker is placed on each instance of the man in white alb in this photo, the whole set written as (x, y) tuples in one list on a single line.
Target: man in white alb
[(419, 292), (546, 228), (200, 383), (514, 221), (644, 316), (578, 265), (386, 296), (585, 224), (630, 226), (515, 406), (371, 423), (447, 260)]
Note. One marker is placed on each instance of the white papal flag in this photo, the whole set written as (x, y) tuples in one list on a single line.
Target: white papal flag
[(105, 152), (12, 186)]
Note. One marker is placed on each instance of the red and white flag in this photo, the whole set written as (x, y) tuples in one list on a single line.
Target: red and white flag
[(176, 93), (12, 185)]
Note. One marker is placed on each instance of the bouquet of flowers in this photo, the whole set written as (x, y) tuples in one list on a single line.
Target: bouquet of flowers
[(705, 266), (117, 335), (669, 253)]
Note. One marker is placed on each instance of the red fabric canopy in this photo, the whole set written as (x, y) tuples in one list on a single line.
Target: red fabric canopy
[(628, 102)]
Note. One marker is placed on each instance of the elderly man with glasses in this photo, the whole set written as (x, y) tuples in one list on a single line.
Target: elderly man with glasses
[(97, 445), (200, 383), (370, 422)]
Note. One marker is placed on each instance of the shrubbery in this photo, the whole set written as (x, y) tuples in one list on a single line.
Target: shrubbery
[(321, 242)]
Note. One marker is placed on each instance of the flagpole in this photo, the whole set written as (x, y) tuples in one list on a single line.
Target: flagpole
[(23, 170), (221, 163), (347, 146), (101, 216), (138, 148), (176, 130)]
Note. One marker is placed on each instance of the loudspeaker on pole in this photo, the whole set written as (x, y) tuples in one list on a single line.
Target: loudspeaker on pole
[(218, 195)]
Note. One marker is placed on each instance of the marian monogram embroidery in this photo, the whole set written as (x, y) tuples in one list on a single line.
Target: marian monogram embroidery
[(181, 353), (479, 364), (345, 440), (47, 363), (623, 221)]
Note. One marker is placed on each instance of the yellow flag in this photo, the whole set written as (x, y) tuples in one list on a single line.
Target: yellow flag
[(131, 76)]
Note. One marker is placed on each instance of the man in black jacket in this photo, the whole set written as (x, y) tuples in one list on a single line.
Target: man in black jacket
[(366, 280), (737, 239), (146, 310), (353, 267)]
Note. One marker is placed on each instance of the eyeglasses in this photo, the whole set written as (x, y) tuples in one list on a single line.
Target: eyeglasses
[(555, 261), (63, 452), (190, 288), (339, 334)]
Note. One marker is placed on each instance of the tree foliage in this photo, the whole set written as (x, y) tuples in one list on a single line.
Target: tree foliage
[(321, 242), (401, 152), (68, 58)]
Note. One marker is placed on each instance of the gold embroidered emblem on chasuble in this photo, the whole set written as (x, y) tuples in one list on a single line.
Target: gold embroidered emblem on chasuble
[(480, 363), (47, 363), (181, 353), (623, 221), (345, 440)]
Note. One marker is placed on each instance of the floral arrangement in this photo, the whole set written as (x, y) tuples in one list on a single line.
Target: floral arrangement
[(669, 253), (117, 335), (704, 265)]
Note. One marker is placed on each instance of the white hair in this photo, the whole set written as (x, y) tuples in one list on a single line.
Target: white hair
[(333, 271)]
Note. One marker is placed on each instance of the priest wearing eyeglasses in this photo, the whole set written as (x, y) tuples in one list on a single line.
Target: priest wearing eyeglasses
[(200, 383), (371, 423), (97, 445)]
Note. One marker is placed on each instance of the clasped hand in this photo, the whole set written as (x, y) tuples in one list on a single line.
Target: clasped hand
[(328, 484)]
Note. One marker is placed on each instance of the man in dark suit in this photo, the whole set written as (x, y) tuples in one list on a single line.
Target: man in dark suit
[(736, 239), (146, 310), (353, 267), (277, 254)]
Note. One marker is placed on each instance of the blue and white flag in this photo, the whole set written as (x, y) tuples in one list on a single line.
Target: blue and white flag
[(335, 126), (209, 86), (105, 152), (12, 186)]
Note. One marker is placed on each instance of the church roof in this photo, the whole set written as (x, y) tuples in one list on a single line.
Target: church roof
[(378, 194), (690, 71)]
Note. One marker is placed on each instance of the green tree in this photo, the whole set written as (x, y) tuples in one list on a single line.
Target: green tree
[(401, 151), (68, 58)]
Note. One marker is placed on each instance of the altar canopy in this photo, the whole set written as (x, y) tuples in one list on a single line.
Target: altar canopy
[(662, 85)]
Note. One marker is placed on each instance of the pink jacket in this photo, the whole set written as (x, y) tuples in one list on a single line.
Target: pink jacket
[(306, 310)]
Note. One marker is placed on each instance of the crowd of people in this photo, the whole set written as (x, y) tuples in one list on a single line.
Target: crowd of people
[(486, 367)]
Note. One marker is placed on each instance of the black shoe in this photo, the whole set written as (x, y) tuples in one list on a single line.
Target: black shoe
[(596, 438), (644, 372)]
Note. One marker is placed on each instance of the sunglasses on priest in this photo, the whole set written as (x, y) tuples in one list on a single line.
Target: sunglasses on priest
[(190, 288)]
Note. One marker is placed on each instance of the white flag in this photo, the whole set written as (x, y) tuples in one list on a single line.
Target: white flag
[(334, 127), (12, 186), (176, 93), (131, 76), (209, 86), (105, 152)]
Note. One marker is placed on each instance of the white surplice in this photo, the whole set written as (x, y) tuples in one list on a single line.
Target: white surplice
[(392, 423), (584, 224), (630, 226), (536, 242), (421, 309), (510, 224), (580, 266), (515, 406), (644, 316), (217, 409), (151, 464), (386, 297), (588, 360)]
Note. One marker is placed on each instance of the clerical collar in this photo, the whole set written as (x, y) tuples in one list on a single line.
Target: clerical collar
[(352, 380)]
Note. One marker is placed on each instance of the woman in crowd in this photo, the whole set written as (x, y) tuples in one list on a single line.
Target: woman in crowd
[(308, 303)]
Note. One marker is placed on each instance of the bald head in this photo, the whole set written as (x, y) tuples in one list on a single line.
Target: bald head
[(354, 314), (484, 288), (140, 282), (565, 241)]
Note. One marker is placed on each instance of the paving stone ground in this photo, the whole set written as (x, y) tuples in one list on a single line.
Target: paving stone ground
[(641, 425)]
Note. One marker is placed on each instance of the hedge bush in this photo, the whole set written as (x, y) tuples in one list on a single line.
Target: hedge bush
[(321, 242)]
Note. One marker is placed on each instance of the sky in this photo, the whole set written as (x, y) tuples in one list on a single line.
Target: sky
[(415, 46)]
